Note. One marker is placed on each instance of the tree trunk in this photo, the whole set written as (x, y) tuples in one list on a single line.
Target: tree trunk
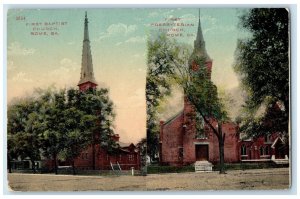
[(55, 163), (221, 151), (33, 165), (73, 167), (221, 139), (94, 153)]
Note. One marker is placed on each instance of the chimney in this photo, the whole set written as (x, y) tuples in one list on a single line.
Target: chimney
[(116, 137)]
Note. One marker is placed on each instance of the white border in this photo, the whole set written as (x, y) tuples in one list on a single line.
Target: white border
[(160, 3)]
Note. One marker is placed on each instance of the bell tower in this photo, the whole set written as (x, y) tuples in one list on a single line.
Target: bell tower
[(87, 79), (200, 51)]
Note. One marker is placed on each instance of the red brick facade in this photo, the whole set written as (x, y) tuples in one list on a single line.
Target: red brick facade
[(127, 156), (180, 146)]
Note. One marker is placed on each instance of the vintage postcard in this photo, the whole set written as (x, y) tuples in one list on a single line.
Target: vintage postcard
[(148, 99)]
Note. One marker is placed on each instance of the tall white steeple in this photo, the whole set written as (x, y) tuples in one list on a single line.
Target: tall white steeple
[(87, 79)]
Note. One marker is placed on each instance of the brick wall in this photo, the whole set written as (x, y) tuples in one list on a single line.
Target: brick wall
[(171, 140)]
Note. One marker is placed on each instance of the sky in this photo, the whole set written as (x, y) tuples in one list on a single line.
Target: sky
[(118, 39)]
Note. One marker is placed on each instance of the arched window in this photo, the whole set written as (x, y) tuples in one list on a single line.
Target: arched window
[(262, 150), (243, 150), (267, 151)]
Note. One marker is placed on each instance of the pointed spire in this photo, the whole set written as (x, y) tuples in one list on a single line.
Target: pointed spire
[(199, 43), (86, 29), (87, 73)]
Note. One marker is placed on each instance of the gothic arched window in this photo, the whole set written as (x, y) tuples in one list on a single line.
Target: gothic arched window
[(267, 151), (262, 150)]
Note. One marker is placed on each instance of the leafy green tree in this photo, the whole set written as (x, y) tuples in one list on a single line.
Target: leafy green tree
[(262, 61), (77, 129), (96, 103), (161, 56), (60, 124), (23, 130), (202, 94), (52, 134)]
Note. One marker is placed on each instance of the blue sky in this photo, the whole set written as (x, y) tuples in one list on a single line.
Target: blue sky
[(118, 43)]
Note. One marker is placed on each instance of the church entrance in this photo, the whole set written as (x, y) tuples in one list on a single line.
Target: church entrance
[(201, 152)]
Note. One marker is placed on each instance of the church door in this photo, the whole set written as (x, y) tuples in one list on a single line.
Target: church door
[(201, 152)]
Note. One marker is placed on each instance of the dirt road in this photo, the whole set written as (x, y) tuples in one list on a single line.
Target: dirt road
[(234, 180)]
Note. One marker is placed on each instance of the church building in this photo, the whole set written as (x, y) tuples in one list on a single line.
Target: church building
[(181, 144), (127, 155)]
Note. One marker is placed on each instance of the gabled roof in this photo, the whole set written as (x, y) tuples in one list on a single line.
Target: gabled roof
[(173, 117), (122, 144), (275, 142)]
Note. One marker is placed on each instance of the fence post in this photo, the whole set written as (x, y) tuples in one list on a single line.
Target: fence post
[(132, 171)]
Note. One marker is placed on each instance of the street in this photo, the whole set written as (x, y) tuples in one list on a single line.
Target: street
[(256, 179)]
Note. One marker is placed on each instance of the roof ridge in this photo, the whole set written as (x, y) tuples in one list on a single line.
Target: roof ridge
[(173, 117)]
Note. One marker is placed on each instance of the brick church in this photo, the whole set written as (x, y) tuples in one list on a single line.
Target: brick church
[(181, 144), (127, 155)]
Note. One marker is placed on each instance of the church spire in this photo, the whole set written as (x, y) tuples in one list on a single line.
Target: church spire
[(199, 43), (86, 28), (87, 79)]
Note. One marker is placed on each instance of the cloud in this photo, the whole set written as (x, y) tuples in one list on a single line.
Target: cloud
[(65, 73), (66, 66), (117, 29), (71, 43), (16, 48), (137, 39), (136, 55), (21, 77), (121, 28), (10, 65), (153, 14)]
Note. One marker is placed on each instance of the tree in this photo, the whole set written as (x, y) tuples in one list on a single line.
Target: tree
[(161, 56), (96, 103), (142, 148), (89, 120), (52, 134), (60, 123), (262, 61), (23, 130), (77, 128), (202, 94)]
